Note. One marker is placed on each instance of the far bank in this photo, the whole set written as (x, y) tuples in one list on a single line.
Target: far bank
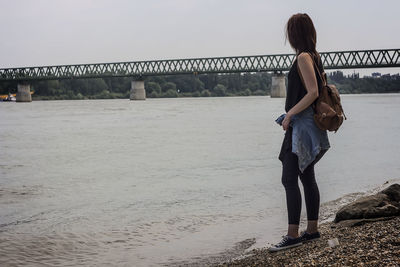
[(207, 85)]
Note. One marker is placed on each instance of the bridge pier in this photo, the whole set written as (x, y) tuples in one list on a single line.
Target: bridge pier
[(278, 86), (137, 90), (24, 93)]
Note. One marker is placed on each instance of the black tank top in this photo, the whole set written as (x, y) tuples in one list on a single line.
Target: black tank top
[(295, 92), (295, 89)]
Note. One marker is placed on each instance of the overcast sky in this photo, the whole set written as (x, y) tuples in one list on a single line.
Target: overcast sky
[(48, 32)]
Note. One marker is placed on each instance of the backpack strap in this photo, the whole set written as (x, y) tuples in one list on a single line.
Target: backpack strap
[(323, 77)]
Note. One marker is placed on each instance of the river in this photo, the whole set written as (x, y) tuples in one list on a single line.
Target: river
[(167, 181)]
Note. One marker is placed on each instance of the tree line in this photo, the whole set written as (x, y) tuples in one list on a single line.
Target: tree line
[(205, 85)]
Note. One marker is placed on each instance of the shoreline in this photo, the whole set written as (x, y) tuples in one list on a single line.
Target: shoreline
[(384, 232), (362, 242), (376, 243)]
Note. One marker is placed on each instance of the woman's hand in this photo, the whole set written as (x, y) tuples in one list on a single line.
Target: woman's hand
[(286, 121)]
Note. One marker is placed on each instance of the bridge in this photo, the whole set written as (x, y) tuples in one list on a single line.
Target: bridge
[(138, 70)]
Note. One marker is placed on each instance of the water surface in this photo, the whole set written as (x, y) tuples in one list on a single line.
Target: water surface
[(155, 182)]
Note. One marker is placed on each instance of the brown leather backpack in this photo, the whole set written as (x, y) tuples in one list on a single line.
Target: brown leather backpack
[(329, 114)]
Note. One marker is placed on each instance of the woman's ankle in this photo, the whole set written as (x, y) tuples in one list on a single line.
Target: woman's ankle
[(293, 231), (312, 226)]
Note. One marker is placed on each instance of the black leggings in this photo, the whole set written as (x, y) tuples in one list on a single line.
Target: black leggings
[(290, 174)]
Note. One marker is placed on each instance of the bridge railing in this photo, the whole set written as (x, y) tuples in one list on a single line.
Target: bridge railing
[(260, 63)]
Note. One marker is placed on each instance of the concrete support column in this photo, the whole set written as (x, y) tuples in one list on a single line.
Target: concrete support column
[(24, 93), (278, 87), (137, 90)]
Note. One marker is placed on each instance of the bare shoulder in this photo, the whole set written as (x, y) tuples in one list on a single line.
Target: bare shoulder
[(304, 58)]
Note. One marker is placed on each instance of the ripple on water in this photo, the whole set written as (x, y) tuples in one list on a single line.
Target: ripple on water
[(52, 249), (10, 167), (17, 194), (67, 248)]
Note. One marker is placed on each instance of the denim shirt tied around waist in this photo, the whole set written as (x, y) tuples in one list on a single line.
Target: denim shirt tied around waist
[(309, 142)]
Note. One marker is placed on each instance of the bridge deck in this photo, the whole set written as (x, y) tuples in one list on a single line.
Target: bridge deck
[(261, 63)]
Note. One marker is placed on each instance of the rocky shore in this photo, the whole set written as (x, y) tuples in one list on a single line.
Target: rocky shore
[(368, 231)]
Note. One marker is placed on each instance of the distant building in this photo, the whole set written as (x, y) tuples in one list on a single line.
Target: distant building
[(376, 74), (391, 77), (354, 76)]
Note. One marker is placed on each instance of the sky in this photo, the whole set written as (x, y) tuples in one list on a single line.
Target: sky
[(54, 32)]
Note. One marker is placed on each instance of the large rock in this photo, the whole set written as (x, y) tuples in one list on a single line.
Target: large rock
[(384, 204)]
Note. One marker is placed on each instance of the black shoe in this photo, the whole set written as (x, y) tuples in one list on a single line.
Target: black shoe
[(306, 237), (286, 242)]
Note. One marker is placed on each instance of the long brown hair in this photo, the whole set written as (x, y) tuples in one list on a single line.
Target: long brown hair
[(301, 33)]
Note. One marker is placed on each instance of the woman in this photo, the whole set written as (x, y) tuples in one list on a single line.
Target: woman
[(304, 143)]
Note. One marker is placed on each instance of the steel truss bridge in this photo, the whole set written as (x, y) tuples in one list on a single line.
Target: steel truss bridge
[(262, 63)]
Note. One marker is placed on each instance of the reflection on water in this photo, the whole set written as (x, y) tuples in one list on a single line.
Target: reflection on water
[(166, 181)]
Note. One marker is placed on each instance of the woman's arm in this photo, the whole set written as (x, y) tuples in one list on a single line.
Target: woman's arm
[(306, 67)]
